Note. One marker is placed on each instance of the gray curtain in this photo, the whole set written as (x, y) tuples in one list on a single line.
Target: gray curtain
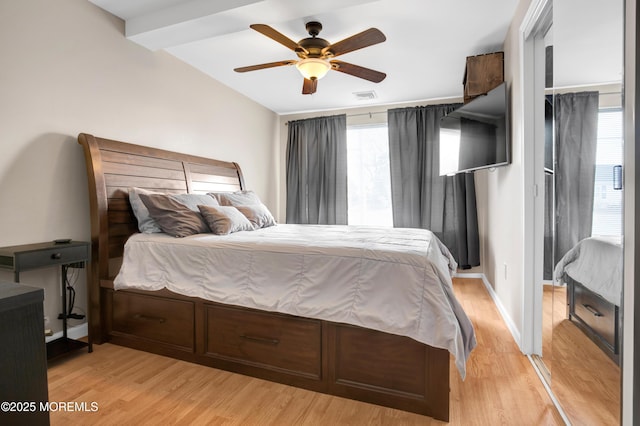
[(317, 171), (422, 198), (576, 116)]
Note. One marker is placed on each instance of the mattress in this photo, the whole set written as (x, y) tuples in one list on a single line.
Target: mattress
[(596, 263), (393, 280)]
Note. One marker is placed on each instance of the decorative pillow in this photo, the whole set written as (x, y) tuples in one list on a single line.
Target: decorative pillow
[(258, 214), (238, 198), (146, 223), (173, 217), (194, 200), (224, 220)]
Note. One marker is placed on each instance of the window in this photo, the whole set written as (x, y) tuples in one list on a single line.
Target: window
[(607, 202), (369, 178)]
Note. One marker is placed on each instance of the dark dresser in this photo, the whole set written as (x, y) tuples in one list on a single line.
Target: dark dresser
[(23, 356)]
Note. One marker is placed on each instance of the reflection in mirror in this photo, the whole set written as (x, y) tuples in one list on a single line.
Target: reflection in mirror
[(548, 259), (587, 210)]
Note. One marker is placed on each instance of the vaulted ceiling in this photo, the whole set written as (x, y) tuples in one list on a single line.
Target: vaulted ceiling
[(427, 42)]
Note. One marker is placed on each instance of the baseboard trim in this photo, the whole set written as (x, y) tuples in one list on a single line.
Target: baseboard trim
[(511, 326), (76, 332), (516, 336)]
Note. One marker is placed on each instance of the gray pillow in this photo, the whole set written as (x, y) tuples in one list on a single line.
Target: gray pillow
[(193, 200), (173, 217), (146, 223), (238, 198), (224, 220), (258, 214)]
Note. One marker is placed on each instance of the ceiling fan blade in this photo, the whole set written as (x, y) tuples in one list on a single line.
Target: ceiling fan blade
[(358, 41), (309, 86), (358, 71), (275, 35), (263, 66)]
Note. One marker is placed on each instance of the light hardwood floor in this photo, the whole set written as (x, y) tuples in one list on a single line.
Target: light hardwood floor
[(583, 378), (132, 387)]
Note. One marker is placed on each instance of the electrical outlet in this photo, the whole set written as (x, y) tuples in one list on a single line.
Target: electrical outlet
[(47, 327), (505, 271)]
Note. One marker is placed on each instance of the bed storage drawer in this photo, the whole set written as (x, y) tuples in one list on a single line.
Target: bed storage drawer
[(388, 370), (166, 321), (596, 312), (355, 362), (267, 340)]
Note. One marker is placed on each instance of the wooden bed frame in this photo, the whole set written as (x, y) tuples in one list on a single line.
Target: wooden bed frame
[(332, 358)]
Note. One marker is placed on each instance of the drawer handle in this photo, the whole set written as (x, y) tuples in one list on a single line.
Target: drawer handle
[(593, 310), (148, 318), (56, 256), (259, 339)]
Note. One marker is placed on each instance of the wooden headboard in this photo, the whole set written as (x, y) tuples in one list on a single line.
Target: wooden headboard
[(112, 168)]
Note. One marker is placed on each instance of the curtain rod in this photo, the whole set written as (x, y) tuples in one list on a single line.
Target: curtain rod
[(349, 115), (588, 87), (366, 113), (599, 93)]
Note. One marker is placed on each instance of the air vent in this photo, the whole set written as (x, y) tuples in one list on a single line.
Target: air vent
[(365, 96)]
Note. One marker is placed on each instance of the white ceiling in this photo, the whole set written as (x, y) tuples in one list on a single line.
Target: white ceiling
[(588, 45), (424, 54)]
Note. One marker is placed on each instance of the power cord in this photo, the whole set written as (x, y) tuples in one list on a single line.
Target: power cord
[(69, 285)]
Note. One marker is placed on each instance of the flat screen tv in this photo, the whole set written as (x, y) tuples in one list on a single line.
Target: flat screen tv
[(476, 135)]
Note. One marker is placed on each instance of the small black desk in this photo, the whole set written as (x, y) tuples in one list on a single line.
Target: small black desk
[(74, 254)]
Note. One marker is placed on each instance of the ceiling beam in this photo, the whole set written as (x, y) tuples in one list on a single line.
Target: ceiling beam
[(180, 23)]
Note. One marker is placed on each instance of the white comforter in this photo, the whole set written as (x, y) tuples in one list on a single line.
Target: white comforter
[(595, 263), (389, 279)]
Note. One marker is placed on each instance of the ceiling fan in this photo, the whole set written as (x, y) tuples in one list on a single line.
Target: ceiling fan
[(316, 54)]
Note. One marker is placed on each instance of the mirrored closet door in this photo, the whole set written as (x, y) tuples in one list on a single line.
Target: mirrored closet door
[(582, 318)]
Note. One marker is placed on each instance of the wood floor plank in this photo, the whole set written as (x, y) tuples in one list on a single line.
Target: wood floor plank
[(583, 378), (133, 387)]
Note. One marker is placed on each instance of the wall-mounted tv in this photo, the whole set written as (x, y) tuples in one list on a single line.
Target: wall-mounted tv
[(476, 135)]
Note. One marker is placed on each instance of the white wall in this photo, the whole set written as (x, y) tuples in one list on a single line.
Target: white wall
[(505, 200), (67, 68)]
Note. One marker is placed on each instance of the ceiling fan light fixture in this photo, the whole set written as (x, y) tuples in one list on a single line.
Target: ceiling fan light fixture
[(313, 68)]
